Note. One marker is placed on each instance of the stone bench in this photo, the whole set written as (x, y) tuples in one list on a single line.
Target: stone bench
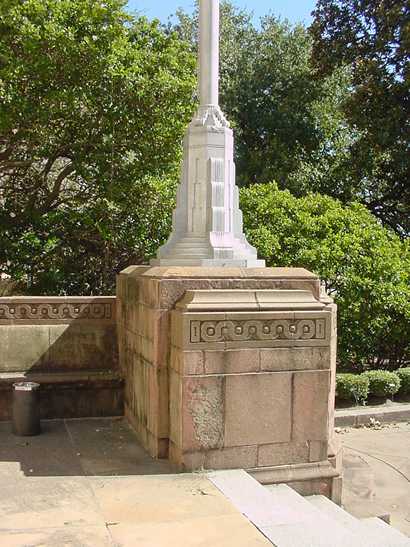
[(69, 346)]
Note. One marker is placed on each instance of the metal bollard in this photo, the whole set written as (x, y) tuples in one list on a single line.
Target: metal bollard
[(26, 412)]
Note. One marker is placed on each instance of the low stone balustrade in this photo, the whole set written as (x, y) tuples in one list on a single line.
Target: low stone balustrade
[(68, 345)]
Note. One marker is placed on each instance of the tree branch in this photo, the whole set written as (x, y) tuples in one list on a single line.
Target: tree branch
[(16, 164), (5, 154), (53, 195)]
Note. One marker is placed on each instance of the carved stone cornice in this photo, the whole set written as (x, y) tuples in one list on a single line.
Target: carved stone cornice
[(255, 330), (250, 300), (258, 330), (62, 309), (231, 318)]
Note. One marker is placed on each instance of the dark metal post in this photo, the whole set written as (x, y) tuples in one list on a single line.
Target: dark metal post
[(26, 412)]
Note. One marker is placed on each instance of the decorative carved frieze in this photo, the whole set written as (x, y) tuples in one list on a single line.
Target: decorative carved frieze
[(257, 330), (56, 311)]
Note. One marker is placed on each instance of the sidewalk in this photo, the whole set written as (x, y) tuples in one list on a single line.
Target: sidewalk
[(88, 484), (377, 473), (389, 412)]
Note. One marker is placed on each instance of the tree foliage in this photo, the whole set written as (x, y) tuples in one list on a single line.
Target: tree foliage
[(324, 109), (288, 123), (372, 39), (366, 267), (93, 105)]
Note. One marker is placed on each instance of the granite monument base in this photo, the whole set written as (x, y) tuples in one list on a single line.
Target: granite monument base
[(232, 368)]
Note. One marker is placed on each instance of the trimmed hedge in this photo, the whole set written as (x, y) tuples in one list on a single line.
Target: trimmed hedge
[(404, 375), (383, 383), (352, 387), (379, 383)]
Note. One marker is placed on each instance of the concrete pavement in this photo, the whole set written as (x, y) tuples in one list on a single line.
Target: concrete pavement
[(377, 472), (88, 484)]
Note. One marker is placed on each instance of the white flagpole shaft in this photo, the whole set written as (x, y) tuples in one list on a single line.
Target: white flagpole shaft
[(209, 52)]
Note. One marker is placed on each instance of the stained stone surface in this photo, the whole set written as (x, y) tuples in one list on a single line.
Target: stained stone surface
[(88, 483), (145, 298), (258, 409), (231, 368), (58, 334), (258, 365)]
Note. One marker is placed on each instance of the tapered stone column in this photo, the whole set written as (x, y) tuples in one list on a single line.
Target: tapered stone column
[(207, 223)]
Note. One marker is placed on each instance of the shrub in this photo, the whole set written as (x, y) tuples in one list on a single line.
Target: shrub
[(352, 387), (404, 375), (382, 383), (366, 267)]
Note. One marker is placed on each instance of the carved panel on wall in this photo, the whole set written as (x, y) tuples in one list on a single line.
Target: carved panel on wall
[(56, 311), (257, 330)]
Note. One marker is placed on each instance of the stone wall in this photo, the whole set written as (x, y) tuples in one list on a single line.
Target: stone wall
[(68, 345), (250, 384), (234, 382), (143, 327)]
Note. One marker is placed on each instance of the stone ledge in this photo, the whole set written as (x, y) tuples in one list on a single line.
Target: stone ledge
[(362, 416), (249, 300), (307, 479), (294, 473), (7, 379), (179, 272)]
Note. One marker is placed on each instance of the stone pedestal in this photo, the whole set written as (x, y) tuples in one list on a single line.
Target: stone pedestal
[(232, 368)]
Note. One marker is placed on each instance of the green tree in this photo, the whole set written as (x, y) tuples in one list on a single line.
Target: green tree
[(288, 123), (93, 105), (372, 39), (366, 266)]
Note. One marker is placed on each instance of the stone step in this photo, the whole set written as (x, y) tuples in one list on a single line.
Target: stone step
[(194, 238), (282, 515), (312, 527), (374, 529), (289, 520), (191, 245), (389, 536), (193, 241), (192, 248), (195, 251), (335, 512)]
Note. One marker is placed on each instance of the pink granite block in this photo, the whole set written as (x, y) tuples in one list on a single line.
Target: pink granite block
[(310, 405), (279, 359), (232, 362), (240, 457), (258, 409), (283, 454)]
